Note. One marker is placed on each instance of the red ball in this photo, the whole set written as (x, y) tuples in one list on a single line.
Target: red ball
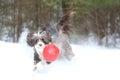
[(51, 52)]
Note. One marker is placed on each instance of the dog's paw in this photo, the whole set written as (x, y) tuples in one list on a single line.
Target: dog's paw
[(39, 66)]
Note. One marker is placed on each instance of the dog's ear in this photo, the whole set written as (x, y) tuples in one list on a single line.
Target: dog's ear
[(31, 40), (45, 37), (64, 23)]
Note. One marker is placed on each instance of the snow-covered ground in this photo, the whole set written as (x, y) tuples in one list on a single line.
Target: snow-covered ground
[(90, 63)]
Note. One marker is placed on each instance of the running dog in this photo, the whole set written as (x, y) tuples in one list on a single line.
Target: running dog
[(38, 40)]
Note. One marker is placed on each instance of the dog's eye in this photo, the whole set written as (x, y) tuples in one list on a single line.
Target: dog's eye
[(40, 44)]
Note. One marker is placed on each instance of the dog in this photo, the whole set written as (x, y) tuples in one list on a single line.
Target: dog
[(38, 40)]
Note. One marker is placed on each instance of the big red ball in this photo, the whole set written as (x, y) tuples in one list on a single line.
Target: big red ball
[(51, 52)]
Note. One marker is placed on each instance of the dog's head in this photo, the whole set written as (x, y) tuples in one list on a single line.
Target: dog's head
[(38, 40), (34, 37)]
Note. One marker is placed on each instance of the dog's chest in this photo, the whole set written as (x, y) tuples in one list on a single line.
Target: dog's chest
[(39, 47)]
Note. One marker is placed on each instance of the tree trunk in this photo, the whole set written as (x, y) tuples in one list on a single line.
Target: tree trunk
[(37, 14), (19, 27), (65, 6), (14, 22)]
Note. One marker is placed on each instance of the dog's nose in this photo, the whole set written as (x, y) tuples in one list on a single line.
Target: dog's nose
[(40, 45)]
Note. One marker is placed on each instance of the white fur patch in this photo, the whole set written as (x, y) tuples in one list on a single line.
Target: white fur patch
[(39, 47), (39, 66)]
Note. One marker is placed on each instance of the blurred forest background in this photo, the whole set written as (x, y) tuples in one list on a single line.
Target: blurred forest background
[(95, 20)]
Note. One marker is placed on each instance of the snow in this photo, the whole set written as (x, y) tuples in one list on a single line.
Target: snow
[(91, 62)]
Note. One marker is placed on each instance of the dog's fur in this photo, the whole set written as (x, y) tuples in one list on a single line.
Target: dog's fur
[(62, 41), (38, 40)]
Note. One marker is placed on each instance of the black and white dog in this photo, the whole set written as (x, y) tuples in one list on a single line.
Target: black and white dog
[(38, 40)]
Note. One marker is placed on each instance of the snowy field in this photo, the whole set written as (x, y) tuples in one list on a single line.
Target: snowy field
[(90, 63)]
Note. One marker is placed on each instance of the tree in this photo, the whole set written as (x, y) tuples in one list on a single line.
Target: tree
[(100, 17)]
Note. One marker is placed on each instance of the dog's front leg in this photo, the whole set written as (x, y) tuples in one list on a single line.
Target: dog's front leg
[(39, 66), (36, 58)]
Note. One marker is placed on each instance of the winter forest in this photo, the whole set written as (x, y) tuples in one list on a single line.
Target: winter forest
[(94, 39), (94, 20)]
